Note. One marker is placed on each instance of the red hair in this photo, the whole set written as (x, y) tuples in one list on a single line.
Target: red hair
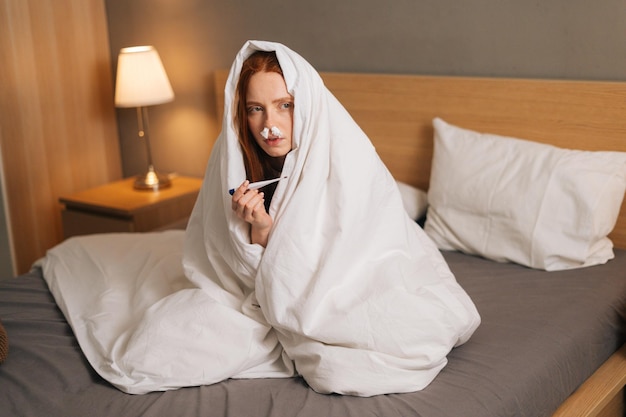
[(256, 161)]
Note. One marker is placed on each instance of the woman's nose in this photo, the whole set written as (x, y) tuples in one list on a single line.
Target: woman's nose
[(269, 117)]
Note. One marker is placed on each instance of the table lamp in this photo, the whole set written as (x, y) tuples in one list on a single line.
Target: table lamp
[(141, 81)]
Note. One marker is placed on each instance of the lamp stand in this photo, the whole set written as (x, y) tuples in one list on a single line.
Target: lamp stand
[(151, 180)]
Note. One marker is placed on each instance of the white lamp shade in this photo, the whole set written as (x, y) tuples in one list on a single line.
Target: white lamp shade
[(141, 79)]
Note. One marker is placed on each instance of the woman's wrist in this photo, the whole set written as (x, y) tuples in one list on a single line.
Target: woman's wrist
[(259, 235)]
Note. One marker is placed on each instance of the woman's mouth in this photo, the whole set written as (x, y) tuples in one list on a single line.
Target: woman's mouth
[(273, 141)]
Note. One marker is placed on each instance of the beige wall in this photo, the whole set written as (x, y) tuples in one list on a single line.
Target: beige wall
[(573, 39)]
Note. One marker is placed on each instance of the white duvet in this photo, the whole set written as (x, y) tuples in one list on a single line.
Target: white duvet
[(349, 293)]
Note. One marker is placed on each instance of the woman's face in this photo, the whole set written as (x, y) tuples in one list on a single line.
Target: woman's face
[(268, 105)]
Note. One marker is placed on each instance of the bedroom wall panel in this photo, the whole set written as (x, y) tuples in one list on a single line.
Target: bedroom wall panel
[(58, 131), (7, 261)]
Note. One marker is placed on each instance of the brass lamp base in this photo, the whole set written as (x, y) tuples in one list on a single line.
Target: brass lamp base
[(152, 180)]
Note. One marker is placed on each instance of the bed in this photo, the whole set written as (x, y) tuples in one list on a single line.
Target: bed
[(550, 343)]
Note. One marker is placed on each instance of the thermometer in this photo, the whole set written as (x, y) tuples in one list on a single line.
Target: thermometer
[(259, 184)]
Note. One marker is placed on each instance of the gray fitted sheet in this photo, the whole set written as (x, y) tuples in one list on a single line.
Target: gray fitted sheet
[(542, 334)]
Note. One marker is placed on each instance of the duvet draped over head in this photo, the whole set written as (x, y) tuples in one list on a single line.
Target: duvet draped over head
[(349, 292)]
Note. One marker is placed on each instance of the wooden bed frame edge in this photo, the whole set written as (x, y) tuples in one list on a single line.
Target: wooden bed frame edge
[(601, 395)]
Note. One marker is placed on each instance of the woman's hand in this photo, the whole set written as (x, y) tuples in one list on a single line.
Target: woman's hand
[(249, 205)]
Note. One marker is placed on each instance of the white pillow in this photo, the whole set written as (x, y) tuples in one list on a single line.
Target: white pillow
[(513, 200), (415, 201)]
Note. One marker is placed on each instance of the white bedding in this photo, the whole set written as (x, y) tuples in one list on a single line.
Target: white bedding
[(349, 293)]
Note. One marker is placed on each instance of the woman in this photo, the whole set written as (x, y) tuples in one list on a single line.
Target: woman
[(328, 265), (264, 119)]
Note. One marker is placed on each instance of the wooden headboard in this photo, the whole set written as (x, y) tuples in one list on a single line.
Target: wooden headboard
[(396, 112)]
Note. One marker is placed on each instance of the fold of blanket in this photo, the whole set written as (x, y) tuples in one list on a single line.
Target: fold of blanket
[(143, 326), (349, 293)]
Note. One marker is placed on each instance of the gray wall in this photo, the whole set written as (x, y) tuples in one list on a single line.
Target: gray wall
[(563, 39)]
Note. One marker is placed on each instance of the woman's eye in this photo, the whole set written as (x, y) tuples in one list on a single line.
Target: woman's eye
[(287, 105), (254, 109)]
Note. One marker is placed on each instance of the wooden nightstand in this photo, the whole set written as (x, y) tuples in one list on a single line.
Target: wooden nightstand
[(118, 207)]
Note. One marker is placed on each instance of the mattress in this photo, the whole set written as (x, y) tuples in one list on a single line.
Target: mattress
[(542, 334)]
